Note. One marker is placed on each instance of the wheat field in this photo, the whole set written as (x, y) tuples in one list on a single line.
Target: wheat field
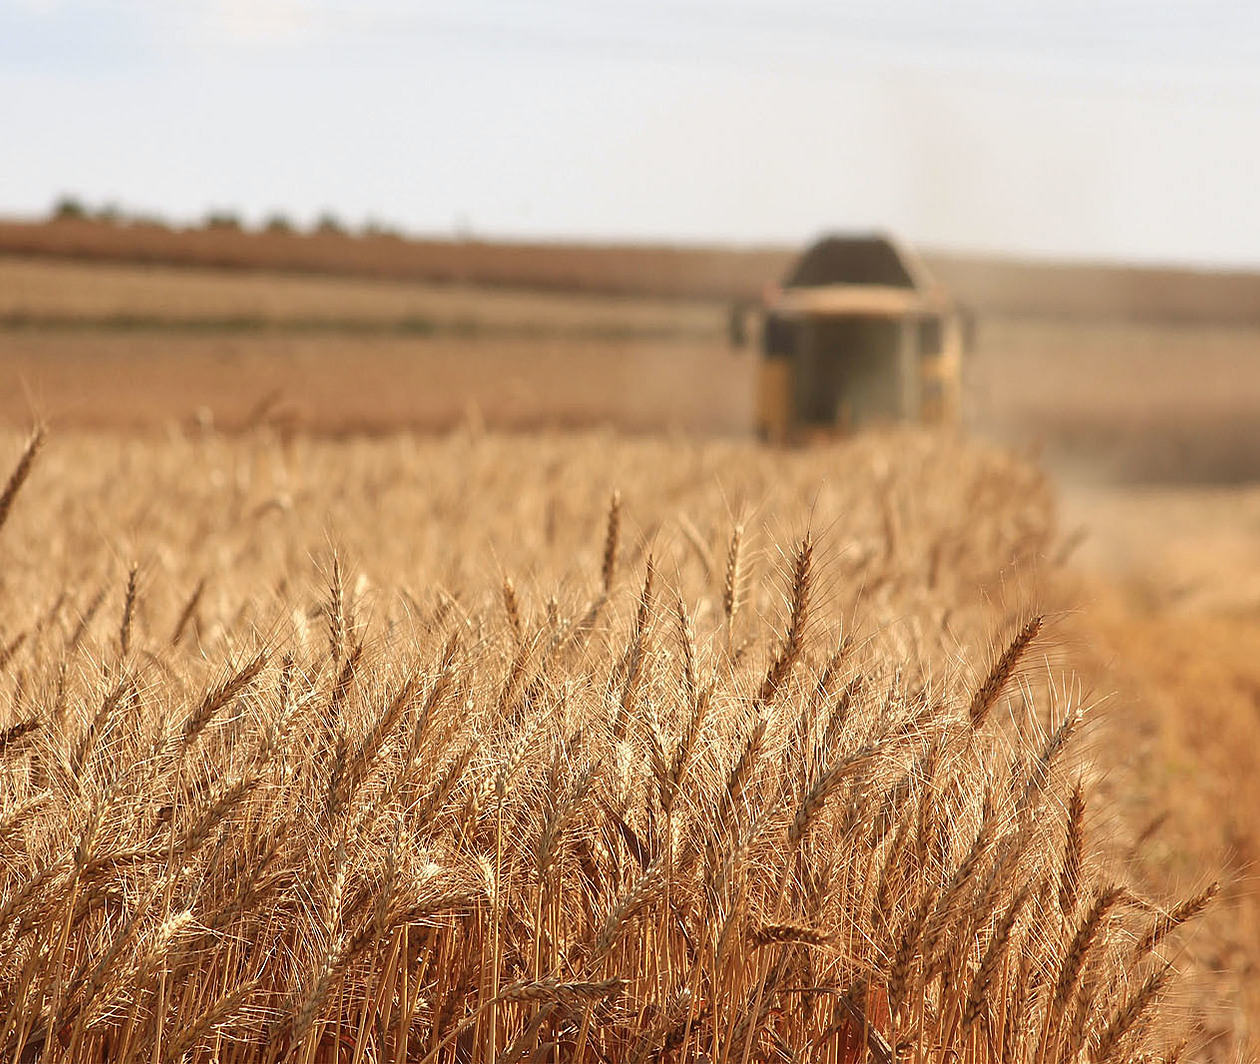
[(552, 747)]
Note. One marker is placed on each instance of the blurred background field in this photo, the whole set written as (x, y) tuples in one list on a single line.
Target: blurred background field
[(1103, 370)]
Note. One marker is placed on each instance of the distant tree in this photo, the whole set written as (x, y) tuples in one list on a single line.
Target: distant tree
[(375, 228), (69, 207), (329, 223), (277, 223), (222, 220), (111, 214)]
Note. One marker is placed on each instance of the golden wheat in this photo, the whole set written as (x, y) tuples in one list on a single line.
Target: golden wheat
[(391, 813)]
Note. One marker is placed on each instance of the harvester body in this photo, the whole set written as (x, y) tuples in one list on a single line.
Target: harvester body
[(859, 334)]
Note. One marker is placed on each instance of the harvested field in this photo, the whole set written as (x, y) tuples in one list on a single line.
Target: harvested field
[(127, 347), (150, 380), (424, 749), (56, 294), (1110, 400)]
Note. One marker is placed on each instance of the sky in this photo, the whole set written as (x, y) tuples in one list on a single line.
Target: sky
[(1114, 129)]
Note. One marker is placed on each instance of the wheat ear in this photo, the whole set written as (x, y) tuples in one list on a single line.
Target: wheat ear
[(1073, 852), (734, 575), (794, 637), (1129, 1014), (1086, 934), (1165, 925), (129, 612), (20, 472), (612, 542), (987, 693)]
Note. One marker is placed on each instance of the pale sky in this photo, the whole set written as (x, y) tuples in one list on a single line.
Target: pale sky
[(1110, 129)]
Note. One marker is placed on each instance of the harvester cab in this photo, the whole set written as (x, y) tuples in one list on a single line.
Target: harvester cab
[(858, 334)]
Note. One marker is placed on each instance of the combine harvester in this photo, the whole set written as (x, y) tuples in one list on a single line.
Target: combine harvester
[(859, 334)]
